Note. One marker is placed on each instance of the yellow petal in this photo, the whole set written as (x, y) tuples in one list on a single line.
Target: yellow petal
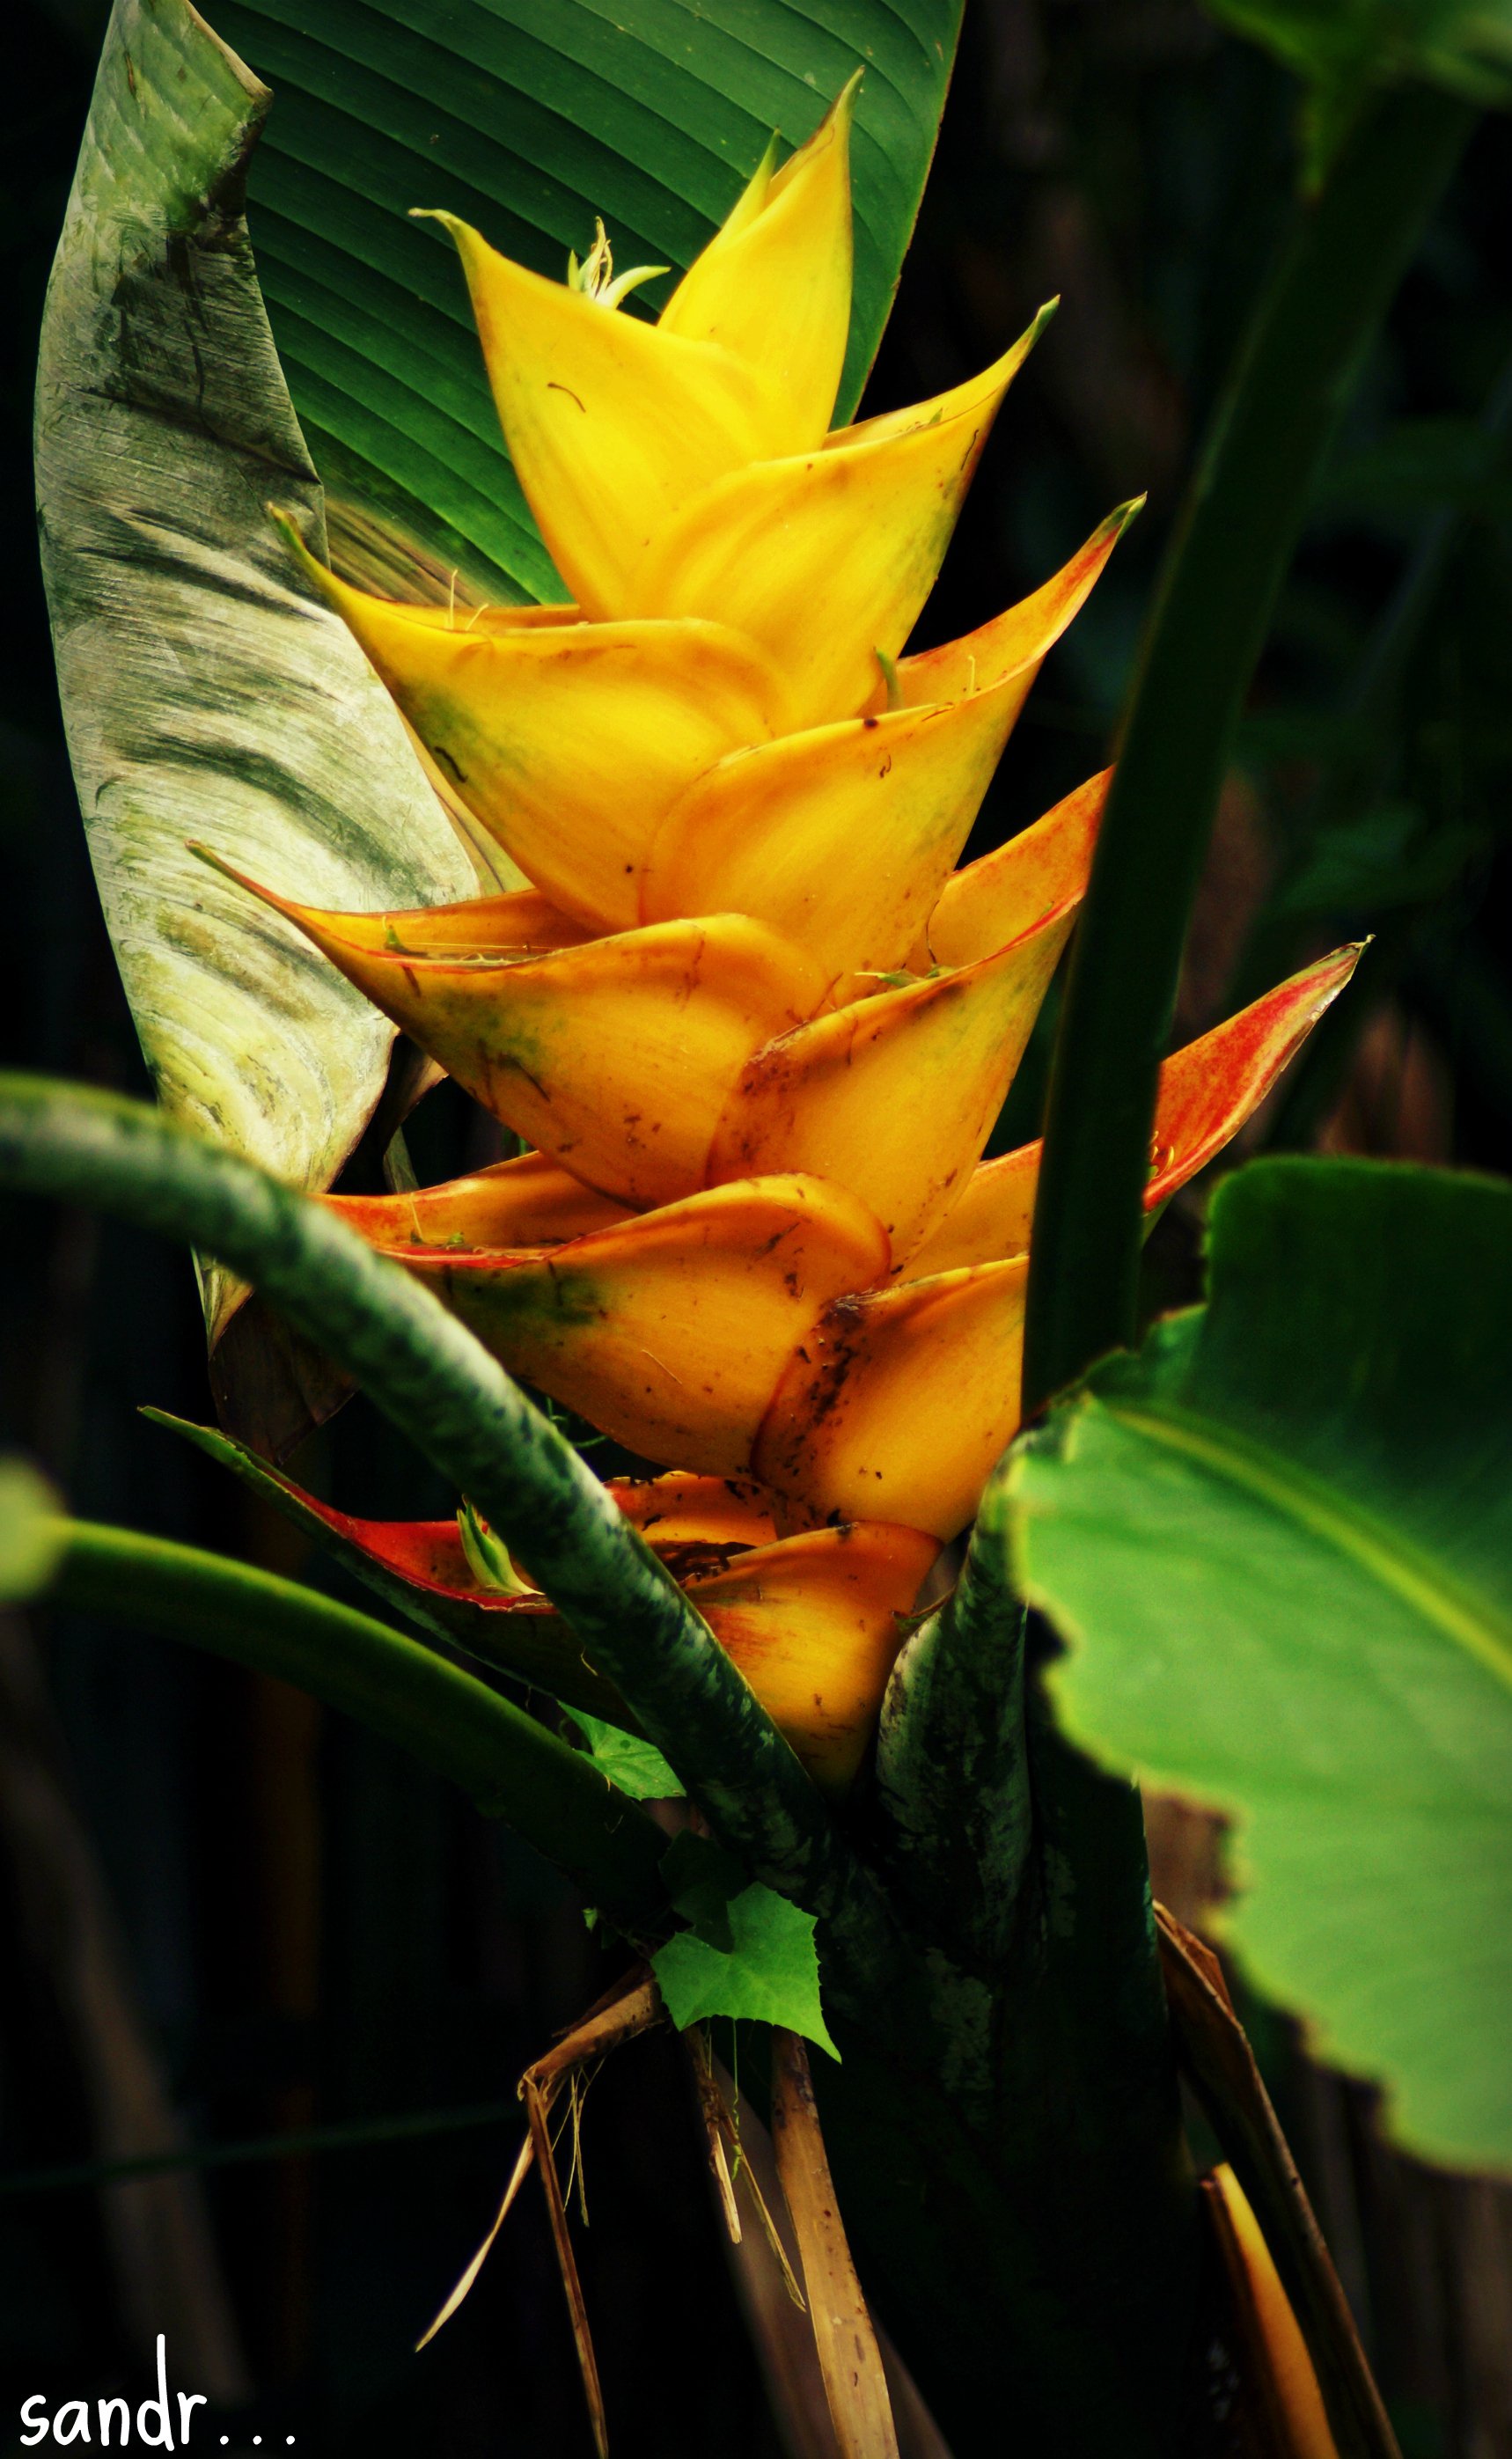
[(612, 425), (1014, 642), (1010, 890), (839, 838), (670, 1332), (1269, 2331), (992, 1218), (615, 1057), (827, 558), (530, 1202), (773, 286), (814, 1625), (1207, 1092), (499, 707), (964, 399), (896, 1096), (901, 1403), (521, 923), (679, 1510)]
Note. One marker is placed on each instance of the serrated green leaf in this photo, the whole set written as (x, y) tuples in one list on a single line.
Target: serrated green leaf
[(771, 1974), (1279, 1543), (528, 117), (32, 1532), (634, 1765), (205, 694)]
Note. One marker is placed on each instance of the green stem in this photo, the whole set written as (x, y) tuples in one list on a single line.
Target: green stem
[(1223, 574), (953, 1765), (436, 1383), (512, 1766)]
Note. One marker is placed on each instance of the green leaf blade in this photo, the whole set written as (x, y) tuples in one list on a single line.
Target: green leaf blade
[(1280, 1543), (204, 695)]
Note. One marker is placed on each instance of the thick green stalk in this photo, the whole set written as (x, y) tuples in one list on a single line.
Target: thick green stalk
[(512, 1766), (952, 1759), (1226, 566), (441, 1388)]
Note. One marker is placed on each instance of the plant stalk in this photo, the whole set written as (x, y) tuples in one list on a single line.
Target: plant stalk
[(512, 1766), (953, 1755), (1225, 568), (440, 1387)]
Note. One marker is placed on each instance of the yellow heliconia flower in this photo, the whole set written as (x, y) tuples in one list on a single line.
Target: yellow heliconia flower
[(755, 1025)]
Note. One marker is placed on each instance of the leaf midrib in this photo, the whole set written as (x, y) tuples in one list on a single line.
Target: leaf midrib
[(1469, 1619)]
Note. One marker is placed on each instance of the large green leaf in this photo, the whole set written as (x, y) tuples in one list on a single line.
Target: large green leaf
[(205, 695), (1279, 1543), (528, 117)]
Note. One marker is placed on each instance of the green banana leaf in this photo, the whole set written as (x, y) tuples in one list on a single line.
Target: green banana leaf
[(205, 695), (1279, 1544), (528, 117)]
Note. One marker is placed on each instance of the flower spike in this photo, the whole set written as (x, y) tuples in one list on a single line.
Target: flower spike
[(756, 1025)]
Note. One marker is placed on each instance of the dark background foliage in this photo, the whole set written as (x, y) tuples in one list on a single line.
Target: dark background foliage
[(216, 1899)]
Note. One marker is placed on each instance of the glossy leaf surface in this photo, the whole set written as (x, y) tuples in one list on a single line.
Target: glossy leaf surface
[(1279, 1543)]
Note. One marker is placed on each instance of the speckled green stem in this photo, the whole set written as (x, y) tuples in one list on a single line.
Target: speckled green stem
[(441, 1388), (952, 1771)]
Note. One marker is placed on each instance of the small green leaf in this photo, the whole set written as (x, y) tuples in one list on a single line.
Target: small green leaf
[(1279, 1543), (32, 1536), (769, 1975), (626, 1760)]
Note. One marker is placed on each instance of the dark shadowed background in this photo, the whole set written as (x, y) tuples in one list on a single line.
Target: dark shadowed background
[(225, 1917)]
